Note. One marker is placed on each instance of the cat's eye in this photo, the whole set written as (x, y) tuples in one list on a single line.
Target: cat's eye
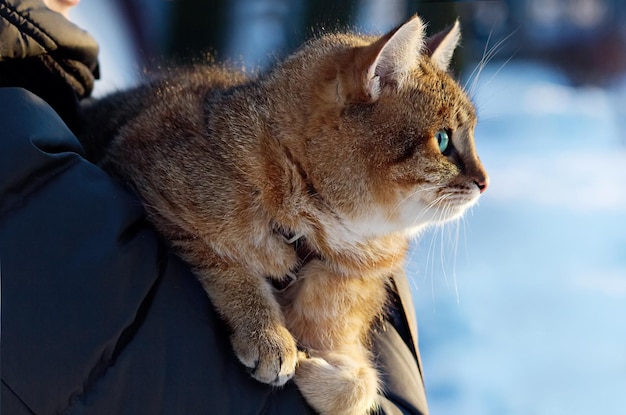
[(443, 139)]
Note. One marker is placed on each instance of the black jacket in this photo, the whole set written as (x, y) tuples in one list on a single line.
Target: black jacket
[(98, 317), (40, 50)]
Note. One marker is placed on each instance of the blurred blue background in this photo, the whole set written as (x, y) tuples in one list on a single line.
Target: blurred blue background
[(522, 304)]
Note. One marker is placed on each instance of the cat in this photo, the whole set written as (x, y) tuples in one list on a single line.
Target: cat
[(293, 195)]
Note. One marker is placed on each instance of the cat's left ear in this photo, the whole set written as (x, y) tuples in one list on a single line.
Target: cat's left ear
[(440, 47)]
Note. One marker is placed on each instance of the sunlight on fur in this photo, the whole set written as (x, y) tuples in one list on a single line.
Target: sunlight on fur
[(293, 193)]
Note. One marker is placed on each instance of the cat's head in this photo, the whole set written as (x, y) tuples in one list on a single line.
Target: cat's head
[(389, 135)]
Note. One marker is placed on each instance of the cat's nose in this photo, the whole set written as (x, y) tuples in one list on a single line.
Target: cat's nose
[(482, 183)]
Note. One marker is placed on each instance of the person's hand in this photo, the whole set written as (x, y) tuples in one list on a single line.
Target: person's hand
[(61, 6)]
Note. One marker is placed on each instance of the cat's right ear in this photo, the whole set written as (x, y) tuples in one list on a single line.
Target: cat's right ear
[(440, 46), (395, 54)]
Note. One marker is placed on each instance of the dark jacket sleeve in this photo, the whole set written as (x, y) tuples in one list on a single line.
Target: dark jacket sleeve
[(42, 51), (97, 316)]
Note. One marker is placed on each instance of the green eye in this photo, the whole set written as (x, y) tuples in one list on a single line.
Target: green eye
[(442, 139)]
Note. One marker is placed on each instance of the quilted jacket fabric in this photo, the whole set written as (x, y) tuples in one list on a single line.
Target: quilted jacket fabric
[(43, 52)]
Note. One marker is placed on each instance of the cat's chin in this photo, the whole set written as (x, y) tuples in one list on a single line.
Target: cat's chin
[(453, 211), (409, 219)]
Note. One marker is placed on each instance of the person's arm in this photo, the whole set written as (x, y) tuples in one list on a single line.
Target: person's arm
[(42, 51)]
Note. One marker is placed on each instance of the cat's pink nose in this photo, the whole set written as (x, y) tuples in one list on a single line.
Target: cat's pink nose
[(482, 183)]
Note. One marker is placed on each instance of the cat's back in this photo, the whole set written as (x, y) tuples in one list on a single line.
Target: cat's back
[(174, 98)]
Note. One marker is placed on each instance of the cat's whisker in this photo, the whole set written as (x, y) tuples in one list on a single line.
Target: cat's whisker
[(428, 208), (443, 226), (488, 55), (440, 229), (430, 267), (445, 240), (437, 234), (492, 77), (454, 258), (409, 196), (474, 74), (409, 261)]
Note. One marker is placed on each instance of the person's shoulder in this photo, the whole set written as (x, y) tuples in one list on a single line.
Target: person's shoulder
[(17, 100), (29, 126), (21, 106)]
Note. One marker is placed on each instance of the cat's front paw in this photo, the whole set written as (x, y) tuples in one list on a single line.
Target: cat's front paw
[(271, 354)]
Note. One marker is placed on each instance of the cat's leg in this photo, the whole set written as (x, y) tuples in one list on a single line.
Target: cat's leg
[(245, 300), (259, 337), (331, 315)]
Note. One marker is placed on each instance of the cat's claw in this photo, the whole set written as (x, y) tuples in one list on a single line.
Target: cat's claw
[(271, 355), (279, 380)]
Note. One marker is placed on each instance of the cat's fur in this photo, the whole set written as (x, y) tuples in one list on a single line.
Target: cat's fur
[(336, 147)]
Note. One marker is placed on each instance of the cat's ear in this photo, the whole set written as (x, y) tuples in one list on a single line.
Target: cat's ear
[(440, 47), (394, 55)]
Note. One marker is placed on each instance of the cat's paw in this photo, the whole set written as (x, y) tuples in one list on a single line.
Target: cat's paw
[(338, 385), (271, 355)]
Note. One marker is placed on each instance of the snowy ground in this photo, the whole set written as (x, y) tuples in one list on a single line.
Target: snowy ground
[(524, 312)]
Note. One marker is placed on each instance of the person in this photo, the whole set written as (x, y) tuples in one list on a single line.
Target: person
[(98, 316)]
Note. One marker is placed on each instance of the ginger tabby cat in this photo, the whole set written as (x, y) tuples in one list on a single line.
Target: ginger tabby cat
[(293, 195)]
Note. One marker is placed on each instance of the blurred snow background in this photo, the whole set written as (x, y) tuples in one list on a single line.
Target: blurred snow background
[(526, 314), (522, 304)]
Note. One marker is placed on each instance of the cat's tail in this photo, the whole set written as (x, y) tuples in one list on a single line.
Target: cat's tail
[(338, 383)]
